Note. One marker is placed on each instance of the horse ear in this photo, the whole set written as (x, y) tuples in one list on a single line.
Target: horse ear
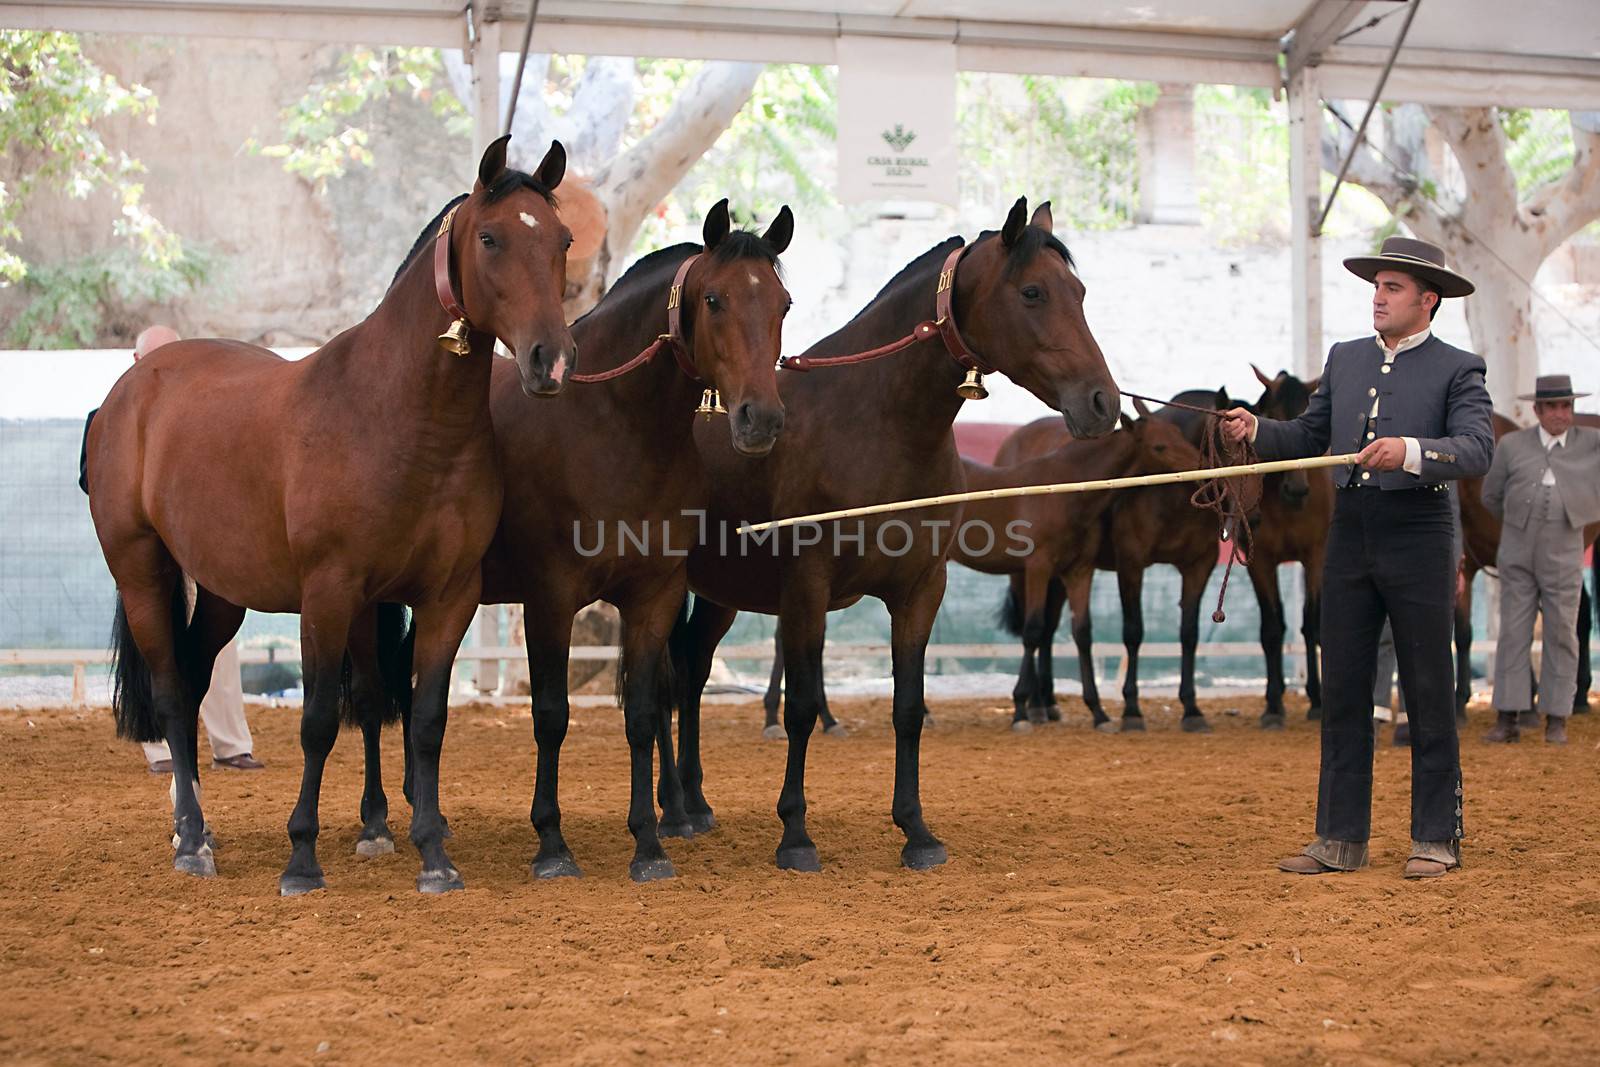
[(1266, 383), (1016, 222), (1223, 400), (1141, 407), (717, 224), (1127, 423), (553, 167), (492, 163), (781, 232), (1314, 384), (1041, 218)]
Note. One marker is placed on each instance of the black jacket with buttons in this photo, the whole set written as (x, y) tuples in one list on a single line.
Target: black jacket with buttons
[(1434, 392)]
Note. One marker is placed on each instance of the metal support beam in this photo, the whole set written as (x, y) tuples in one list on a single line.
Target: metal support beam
[(483, 53), (1305, 176), (1316, 31)]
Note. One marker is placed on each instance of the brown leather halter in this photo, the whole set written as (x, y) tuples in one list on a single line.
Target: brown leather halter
[(443, 284), (673, 336), (943, 324)]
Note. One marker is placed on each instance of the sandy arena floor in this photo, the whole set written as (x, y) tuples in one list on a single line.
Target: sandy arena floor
[(1109, 898)]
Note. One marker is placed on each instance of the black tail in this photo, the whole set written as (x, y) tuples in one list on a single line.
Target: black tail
[(133, 702), (397, 642), (1009, 617)]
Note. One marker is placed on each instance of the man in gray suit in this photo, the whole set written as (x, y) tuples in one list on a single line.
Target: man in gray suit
[(1417, 412), (1545, 487)]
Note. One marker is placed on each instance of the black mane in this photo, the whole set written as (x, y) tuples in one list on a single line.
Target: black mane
[(508, 181), (737, 245), (1030, 244), (937, 252)]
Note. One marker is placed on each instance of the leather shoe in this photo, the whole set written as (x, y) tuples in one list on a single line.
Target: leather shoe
[(1402, 734), (1505, 729), (1555, 730), (1303, 864), (242, 762), (1421, 868), (161, 766)]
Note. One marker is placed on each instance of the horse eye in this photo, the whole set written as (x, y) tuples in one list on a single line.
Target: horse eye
[(712, 302), (1032, 292), (567, 244), (1161, 448), (488, 241)]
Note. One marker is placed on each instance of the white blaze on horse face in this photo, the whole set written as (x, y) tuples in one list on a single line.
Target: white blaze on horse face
[(528, 220), (755, 282), (558, 373)]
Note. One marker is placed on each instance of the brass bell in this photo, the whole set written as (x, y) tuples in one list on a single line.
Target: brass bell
[(454, 339), (972, 388), (710, 404)]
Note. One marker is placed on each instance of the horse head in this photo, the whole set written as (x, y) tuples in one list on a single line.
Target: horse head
[(734, 303), (509, 254), (1160, 446), (1021, 309), (1285, 397)]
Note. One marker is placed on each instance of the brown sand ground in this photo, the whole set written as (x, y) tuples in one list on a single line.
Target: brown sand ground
[(1108, 898)]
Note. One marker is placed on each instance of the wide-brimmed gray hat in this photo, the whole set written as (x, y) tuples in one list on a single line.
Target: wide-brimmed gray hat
[(1552, 387), (1417, 258)]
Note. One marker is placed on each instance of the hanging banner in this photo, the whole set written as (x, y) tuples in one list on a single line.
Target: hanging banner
[(897, 120)]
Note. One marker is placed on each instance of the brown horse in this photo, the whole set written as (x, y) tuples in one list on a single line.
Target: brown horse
[(876, 431), (1296, 510), (1480, 544), (1143, 527), (1065, 536), (281, 486)]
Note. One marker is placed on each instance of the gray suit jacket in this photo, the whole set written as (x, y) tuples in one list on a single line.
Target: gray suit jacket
[(1513, 482), (1433, 392)]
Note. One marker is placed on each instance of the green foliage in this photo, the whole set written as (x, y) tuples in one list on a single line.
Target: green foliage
[(51, 97), (1241, 175), (68, 301), (322, 133), (1539, 145)]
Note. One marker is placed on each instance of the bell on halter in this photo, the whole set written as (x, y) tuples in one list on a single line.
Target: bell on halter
[(454, 339), (710, 404), (972, 388)]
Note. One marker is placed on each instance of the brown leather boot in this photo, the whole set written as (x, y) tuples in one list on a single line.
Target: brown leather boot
[(1505, 729), (1555, 730)]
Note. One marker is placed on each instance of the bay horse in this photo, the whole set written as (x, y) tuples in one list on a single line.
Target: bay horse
[(604, 490), (1143, 527), (1066, 537), (1480, 545), (362, 473), (1295, 512), (869, 431)]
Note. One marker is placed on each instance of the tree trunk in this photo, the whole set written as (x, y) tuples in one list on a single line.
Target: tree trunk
[(1500, 317)]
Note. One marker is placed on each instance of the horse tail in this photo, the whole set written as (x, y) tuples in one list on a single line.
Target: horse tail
[(133, 703), (1009, 617), (397, 642)]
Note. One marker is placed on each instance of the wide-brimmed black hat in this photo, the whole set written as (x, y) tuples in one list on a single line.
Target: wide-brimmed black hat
[(1417, 258), (1552, 387)]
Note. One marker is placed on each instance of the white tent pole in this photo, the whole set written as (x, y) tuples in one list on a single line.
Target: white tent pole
[(484, 55), (1305, 173)]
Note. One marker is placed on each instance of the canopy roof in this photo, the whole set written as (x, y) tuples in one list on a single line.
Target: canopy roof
[(1540, 53)]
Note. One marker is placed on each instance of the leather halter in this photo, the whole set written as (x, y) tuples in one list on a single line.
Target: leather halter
[(673, 336), (443, 284), (943, 324)]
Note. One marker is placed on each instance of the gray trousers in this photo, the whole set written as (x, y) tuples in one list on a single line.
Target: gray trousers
[(1541, 570)]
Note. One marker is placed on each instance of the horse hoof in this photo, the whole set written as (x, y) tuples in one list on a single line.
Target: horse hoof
[(199, 864), (547, 867), (1021, 726), (775, 732), (1037, 716), (1107, 727), (642, 871), (436, 882), (1052, 712), (1313, 713), (369, 847), (1272, 720), (923, 857), (702, 821), (1133, 724), (928, 722), (837, 730), (799, 858), (298, 885), (1195, 724), (677, 827)]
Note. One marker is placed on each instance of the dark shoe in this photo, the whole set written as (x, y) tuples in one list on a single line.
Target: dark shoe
[(1505, 729), (1528, 720), (1555, 730), (161, 766), (243, 762), (1421, 868), (1300, 863), (1402, 735)]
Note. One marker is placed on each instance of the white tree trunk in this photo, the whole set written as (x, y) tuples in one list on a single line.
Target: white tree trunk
[(1500, 316)]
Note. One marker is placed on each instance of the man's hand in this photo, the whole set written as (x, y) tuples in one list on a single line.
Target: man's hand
[(1238, 425), (1384, 454)]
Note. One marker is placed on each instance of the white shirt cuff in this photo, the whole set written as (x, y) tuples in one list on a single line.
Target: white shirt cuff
[(1255, 427), (1413, 460)]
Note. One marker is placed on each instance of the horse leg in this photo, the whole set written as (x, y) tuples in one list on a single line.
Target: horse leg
[(773, 697), (645, 701), (1027, 681), (1264, 576), (1035, 592), (1078, 587), (1463, 613), (1580, 697), (368, 702), (1311, 632), (549, 636), (328, 607), (911, 623), (1055, 598), (802, 622), (440, 626), (1195, 577), (213, 625), (1130, 587), (696, 648)]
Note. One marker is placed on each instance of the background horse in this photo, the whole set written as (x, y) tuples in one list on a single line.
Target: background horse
[(1066, 538), (364, 472), (871, 432)]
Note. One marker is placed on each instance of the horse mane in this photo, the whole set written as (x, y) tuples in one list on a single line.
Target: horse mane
[(509, 181), (938, 251), (737, 245), (1033, 240)]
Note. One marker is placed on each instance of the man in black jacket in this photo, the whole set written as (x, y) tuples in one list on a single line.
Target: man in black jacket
[(1417, 411)]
